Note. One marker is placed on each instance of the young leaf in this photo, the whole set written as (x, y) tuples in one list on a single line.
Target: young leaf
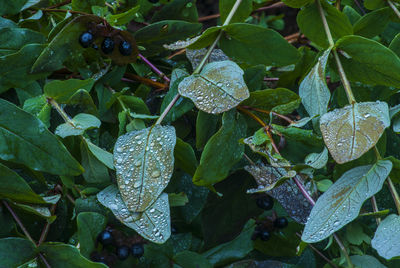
[(153, 224), (387, 237), (287, 194), (218, 88), (369, 62), (102, 155), (26, 140), (185, 158), (15, 251), (222, 150), (269, 48), (144, 161), (82, 122), (342, 202), (351, 131), (313, 90), (90, 224), (123, 18)]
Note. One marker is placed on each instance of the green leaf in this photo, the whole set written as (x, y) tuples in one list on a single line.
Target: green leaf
[(144, 163), (387, 237), (373, 23), (14, 187), (342, 202), (310, 23), (243, 11), (65, 256), (62, 90), (82, 122), (300, 135), (85, 5), (219, 87), (222, 151), (95, 170), (351, 131), (177, 200), (232, 250), (90, 224), (366, 261), (297, 3), (206, 38), (280, 100), (317, 160), (14, 7), (177, 10), (155, 35), (190, 259), (374, 4), (102, 155), (15, 68), (26, 140), (13, 39), (39, 107), (185, 158), (369, 62), (206, 126), (153, 224), (123, 18), (313, 90), (352, 14), (15, 251), (269, 48), (395, 45)]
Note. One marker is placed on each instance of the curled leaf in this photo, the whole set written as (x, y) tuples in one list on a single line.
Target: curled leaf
[(153, 224), (218, 88), (342, 202), (144, 161), (287, 194), (351, 131)]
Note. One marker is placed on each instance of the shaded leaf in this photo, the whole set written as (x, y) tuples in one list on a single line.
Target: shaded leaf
[(15, 251), (342, 202), (153, 224), (206, 126), (351, 131), (317, 160), (313, 90), (243, 11), (219, 87), (62, 90), (185, 158), (124, 17), (366, 261), (90, 224), (373, 23), (13, 39), (144, 163), (296, 3), (95, 170), (222, 150), (26, 140), (177, 10), (191, 259), (102, 155), (386, 239)]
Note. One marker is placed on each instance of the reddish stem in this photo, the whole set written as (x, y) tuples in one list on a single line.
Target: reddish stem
[(154, 68)]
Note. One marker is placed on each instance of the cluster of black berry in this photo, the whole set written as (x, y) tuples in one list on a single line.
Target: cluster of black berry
[(86, 39), (122, 249), (264, 228)]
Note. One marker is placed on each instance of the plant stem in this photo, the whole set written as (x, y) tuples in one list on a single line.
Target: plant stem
[(208, 53), (394, 194), (290, 121), (60, 4), (46, 228), (130, 77), (375, 209), (63, 10), (168, 108), (253, 116), (394, 8), (61, 112), (341, 246), (304, 191), (342, 74), (154, 68), (232, 12)]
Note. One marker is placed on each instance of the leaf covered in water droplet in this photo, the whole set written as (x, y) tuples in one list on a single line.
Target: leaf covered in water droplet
[(218, 88), (287, 193), (153, 224), (144, 161), (387, 237), (341, 203), (351, 131)]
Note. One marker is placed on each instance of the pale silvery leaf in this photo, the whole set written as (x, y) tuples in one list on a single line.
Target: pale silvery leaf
[(366, 261), (313, 90), (342, 202), (144, 162), (387, 237), (153, 224), (218, 88), (351, 131), (180, 44), (302, 122), (287, 194), (317, 160), (81, 122), (196, 55)]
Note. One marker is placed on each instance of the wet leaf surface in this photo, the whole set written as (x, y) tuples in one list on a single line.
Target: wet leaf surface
[(218, 88), (342, 202), (387, 237), (351, 131)]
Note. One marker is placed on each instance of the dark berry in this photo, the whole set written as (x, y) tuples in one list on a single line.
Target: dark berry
[(265, 202), (255, 235), (86, 39), (107, 46), (137, 250), (153, 1), (123, 252), (281, 222), (265, 235), (105, 238), (125, 48)]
